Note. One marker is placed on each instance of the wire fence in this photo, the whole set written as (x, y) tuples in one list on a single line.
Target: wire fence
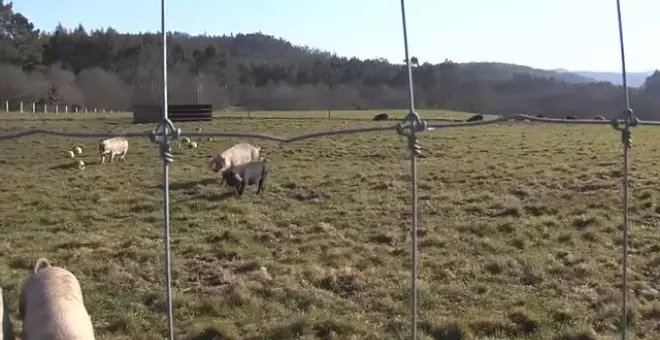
[(165, 132), (33, 107)]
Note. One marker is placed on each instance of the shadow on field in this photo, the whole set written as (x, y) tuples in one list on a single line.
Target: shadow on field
[(218, 197), (74, 165), (194, 188), (65, 166), (208, 197), (209, 334), (188, 185)]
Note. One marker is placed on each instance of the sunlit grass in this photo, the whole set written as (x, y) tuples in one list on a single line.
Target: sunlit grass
[(520, 232)]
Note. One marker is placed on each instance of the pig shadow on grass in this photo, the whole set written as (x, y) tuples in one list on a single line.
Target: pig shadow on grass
[(92, 164), (214, 197), (217, 197), (210, 334), (188, 185), (63, 166), (67, 166)]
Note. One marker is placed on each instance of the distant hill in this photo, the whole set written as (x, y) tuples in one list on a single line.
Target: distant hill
[(498, 71), (635, 79), (259, 46)]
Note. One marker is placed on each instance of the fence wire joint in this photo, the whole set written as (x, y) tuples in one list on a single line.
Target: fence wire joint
[(409, 127), (163, 133), (623, 123)]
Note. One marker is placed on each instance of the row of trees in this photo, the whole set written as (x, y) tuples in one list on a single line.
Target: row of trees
[(104, 68)]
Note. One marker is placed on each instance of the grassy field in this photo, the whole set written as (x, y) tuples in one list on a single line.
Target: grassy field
[(520, 232)]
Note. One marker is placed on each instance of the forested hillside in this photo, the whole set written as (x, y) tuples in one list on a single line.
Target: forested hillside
[(104, 68)]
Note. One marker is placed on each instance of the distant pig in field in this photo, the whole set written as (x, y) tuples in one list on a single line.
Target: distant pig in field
[(236, 155), (475, 118), (113, 146), (51, 305), (240, 176), (381, 116)]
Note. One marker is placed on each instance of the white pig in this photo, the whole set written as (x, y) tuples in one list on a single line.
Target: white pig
[(51, 305), (113, 146), (236, 155)]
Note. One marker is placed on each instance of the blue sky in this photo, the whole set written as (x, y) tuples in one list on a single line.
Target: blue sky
[(570, 34)]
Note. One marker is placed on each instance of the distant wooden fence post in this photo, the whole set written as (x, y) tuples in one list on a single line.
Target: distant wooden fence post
[(328, 113)]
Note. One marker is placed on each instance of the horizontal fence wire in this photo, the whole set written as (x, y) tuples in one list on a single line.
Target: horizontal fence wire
[(430, 127)]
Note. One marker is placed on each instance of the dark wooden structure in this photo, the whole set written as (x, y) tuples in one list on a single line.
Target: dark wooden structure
[(177, 113)]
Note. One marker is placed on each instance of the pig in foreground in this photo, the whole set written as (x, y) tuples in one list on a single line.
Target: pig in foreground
[(113, 146), (51, 305), (236, 155), (240, 176)]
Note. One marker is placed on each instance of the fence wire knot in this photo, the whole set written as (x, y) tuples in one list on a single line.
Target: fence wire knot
[(163, 134), (409, 127), (623, 123)]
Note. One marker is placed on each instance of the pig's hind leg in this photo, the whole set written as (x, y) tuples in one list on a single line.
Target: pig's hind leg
[(262, 185)]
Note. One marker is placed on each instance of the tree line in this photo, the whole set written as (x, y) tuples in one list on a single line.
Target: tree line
[(107, 69)]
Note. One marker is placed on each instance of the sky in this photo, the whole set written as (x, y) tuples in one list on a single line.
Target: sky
[(549, 34)]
